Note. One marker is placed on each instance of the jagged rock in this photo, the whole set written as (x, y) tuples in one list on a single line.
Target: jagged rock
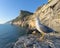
[(31, 41)]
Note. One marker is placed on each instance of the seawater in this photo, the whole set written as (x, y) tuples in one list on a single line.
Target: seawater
[(9, 33)]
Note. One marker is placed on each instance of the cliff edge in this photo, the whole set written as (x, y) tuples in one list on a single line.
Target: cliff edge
[(49, 15)]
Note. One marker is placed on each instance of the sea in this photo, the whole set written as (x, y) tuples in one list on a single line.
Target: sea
[(9, 34)]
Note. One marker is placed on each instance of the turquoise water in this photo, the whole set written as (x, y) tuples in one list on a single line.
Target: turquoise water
[(9, 33)]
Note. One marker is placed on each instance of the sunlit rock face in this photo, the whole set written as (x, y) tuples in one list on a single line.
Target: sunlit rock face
[(49, 15), (22, 19)]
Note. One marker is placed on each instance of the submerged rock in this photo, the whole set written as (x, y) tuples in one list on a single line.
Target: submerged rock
[(9, 45)]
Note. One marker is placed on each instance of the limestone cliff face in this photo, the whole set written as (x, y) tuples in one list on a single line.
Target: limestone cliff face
[(49, 15)]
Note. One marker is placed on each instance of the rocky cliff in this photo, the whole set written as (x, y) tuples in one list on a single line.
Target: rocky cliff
[(22, 19), (49, 15)]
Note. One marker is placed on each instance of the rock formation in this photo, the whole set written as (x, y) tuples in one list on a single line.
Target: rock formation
[(22, 19), (49, 15), (32, 41)]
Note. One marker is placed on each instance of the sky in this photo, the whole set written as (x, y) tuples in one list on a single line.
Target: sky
[(10, 9)]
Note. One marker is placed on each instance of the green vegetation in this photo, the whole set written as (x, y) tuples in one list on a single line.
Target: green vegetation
[(22, 15)]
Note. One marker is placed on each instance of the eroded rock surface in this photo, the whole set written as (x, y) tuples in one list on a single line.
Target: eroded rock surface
[(31, 41)]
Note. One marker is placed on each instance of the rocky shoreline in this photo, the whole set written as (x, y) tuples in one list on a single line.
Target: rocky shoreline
[(49, 15), (32, 41)]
